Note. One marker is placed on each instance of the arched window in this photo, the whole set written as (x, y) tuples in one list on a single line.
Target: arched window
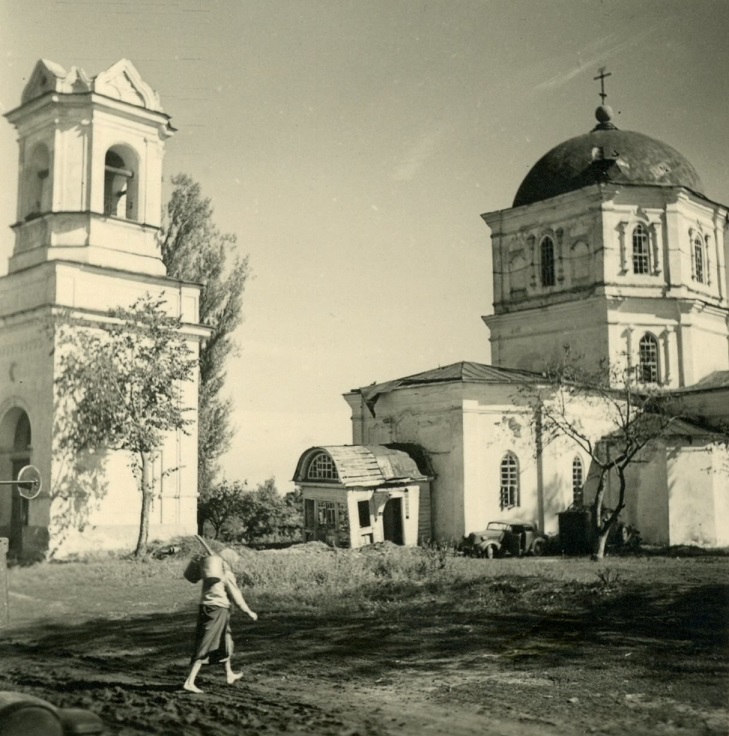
[(699, 259), (36, 194), (509, 477), (546, 261), (641, 250), (21, 440), (322, 467), (120, 185), (577, 481), (648, 359)]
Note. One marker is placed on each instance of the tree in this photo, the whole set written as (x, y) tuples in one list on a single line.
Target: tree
[(222, 506), (193, 249), (120, 382), (231, 509), (574, 403)]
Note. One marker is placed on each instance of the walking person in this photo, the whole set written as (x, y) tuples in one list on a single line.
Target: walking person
[(213, 637)]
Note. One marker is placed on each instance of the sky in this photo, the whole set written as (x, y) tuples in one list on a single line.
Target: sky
[(352, 146)]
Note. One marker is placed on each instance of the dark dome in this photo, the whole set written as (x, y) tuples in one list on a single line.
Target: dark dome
[(607, 154)]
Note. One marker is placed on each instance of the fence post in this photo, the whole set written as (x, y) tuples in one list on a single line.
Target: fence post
[(4, 617)]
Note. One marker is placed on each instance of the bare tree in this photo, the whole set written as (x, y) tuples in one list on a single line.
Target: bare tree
[(571, 402)]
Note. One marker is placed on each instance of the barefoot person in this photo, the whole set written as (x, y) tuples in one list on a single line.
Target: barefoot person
[(213, 637)]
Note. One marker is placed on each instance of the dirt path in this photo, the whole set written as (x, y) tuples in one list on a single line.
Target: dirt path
[(652, 662)]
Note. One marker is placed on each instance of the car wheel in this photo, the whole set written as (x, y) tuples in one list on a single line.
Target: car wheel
[(489, 552), (538, 548)]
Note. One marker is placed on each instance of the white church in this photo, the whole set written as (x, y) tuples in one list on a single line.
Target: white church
[(88, 213), (613, 250)]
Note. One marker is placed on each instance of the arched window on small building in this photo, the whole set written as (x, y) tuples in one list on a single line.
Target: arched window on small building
[(546, 261), (37, 189), (648, 367), (641, 250), (509, 481), (120, 184), (322, 467), (578, 480)]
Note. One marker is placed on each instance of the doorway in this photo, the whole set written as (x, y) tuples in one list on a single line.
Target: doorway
[(392, 522)]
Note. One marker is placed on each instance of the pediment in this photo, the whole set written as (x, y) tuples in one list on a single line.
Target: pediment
[(123, 82), (48, 76)]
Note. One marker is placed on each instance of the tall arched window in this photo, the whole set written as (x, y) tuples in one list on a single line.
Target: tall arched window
[(577, 481), (322, 467), (120, 184), (699, 259), (546, 261), (648, 359), (641, 250), (36, 193), (509, 477)]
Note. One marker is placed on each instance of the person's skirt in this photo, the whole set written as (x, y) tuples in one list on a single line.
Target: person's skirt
[(213, 637)]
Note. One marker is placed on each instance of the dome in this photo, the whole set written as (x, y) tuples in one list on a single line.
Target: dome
[(607, 154)]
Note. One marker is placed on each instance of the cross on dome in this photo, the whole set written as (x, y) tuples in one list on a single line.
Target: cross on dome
[(602, 76)]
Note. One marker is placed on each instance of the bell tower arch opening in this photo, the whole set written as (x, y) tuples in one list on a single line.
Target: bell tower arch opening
[(121, 177), (15, 453), (36, 195)]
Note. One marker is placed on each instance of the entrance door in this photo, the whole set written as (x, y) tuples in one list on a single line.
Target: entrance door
[(392, 521), (18, 513)]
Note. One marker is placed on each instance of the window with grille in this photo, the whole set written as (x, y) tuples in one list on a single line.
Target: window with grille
[(699, 260), (322, 468), (509, 481), (641, 253), (327, 514), (577, 482), (546, 261), (648, 359)]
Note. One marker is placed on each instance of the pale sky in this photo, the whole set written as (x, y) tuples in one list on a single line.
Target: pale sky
[(352, 146)]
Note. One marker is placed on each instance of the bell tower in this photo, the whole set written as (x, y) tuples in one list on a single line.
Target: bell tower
[(88, 215), (90, 169)]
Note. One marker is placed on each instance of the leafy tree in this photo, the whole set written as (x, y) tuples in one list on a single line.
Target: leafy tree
[(193, 249), (233, 510), (222, 506), (567, 403), (120, 381)]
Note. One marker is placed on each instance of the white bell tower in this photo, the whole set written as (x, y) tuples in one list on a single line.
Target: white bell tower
[(89, 211), (90, 173)]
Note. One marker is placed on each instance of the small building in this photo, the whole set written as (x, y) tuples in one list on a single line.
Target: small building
[(355, 495)]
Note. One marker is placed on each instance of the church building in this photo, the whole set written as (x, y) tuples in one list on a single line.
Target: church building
[(88, 214), (613, 252)]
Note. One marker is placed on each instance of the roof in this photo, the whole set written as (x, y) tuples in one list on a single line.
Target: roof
[(365, 465), (463, 372), (715, 380), (121, 81), (660, 426), (604, 155)]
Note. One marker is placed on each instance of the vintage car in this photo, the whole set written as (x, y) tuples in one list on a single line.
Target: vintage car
[(501, 538)]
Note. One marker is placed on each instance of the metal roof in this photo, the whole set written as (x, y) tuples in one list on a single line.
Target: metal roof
[(364, 465), (607, 155), (463, 372)]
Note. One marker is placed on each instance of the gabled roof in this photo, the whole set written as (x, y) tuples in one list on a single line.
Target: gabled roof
[(121, 81), (463, 372), (364, 465)]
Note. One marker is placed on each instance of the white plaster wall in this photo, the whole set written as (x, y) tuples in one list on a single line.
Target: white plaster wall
[(692, 509)]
